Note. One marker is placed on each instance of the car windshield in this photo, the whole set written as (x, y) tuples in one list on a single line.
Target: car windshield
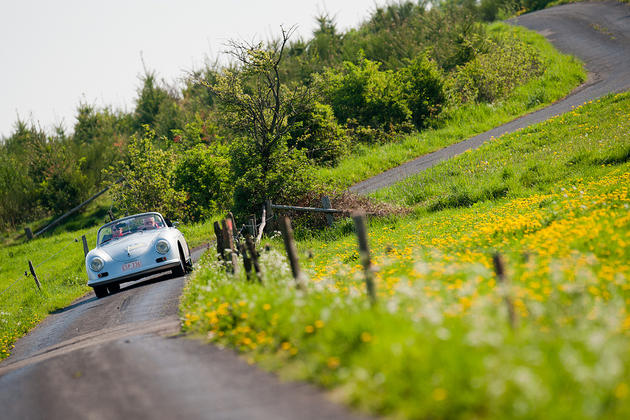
[(129, 225)]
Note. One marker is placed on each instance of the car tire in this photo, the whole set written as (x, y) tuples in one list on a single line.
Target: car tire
[(100, 291), (180, 270), (113, 288)]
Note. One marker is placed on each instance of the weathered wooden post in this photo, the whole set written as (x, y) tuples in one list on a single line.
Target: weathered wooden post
[(289, 245), (499, 269), (364, 251), (86, 248), (29, 233), (270, 215), (247, 262), (228, 237), (326, 204), (32, 269), (219, 233), (111, 215), (253, 254), (231, 217)]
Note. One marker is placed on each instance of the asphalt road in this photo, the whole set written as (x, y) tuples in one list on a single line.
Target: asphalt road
[(596, 32), (122, 357)]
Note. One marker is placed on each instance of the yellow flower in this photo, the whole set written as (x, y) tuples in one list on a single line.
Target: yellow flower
[(333, 362), (319, 324), (309, 329), (266, 306), (439, 394), (622, 390), (366, 337)]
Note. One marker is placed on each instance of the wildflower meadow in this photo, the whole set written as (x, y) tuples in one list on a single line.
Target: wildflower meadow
[(439, 342)]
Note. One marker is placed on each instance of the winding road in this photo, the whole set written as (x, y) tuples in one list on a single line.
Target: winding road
[(122, 356), (596, 32)]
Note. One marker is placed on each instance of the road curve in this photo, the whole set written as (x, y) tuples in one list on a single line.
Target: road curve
[(596, 32), (121, 357)]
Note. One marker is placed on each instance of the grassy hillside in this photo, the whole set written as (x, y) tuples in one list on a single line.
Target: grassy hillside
[(563, 73), (438, 343)]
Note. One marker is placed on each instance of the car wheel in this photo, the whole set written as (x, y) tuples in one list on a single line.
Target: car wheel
[(180, 270), (113, 288), (100, 291)]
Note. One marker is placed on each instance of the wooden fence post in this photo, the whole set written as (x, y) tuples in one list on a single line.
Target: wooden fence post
[(289, 245), (247, 262), (231, 217), (253, 254), (228, 236), (111, 215), (219, 233), (364, 251), (29, 233), (32, 269), (86, 248), (326, 204), (270, 215), (499, 269)]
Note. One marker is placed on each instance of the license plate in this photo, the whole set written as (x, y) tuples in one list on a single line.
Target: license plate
[(131, 265)]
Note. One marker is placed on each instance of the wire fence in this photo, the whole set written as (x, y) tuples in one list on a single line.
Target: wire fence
[(31, 271)]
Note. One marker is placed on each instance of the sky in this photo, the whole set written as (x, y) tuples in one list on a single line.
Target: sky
[(57, 54)]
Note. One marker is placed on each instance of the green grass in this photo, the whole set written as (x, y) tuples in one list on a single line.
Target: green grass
[(580, 143), (563, 73), (62, 278), (438, 343)]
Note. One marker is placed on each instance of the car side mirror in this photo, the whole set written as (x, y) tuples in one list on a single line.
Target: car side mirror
[(175, 224)]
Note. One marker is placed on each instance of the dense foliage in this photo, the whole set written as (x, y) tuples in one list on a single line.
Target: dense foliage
[(231, 135)]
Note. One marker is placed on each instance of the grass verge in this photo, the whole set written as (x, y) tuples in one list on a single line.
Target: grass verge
[(60, 267), (438, 343), (563, 73)]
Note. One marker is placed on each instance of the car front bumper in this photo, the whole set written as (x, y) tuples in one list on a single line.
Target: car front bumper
[(121, 277)]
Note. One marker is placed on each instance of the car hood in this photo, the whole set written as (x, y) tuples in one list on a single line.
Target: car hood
[(130, 247)]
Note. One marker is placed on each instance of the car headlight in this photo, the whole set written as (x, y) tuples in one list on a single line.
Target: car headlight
[(162, 246), (96, 264)]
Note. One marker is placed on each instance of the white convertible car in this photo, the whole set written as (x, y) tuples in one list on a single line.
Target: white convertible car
[(134, 247)]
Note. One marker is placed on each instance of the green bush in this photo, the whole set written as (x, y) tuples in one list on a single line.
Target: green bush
[(317, 132), (491, 75), (205, 178), (148, 182), (423, 89), (284, 177), (365, 94)]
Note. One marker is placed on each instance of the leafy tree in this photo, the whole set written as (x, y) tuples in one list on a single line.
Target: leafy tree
[(261, 109), (148, 179)]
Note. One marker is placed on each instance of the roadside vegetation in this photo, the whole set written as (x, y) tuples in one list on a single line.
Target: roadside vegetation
[(395, 87), (552, 200), (408, 80)]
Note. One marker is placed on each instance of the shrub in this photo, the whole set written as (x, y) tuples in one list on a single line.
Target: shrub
[(423, 89), (283, 177), (366, 94), (205, 178), (317, 132), (494, 74), (148, 180)]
